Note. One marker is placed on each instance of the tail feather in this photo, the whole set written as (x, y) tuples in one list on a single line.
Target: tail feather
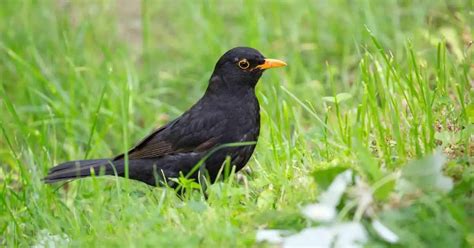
[(83, 168), (156, 171), (77, 163)]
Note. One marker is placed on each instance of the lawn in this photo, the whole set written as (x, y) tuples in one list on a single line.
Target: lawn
[(381, 90)]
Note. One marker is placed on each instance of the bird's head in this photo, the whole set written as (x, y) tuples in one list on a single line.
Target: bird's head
[(241, 67)]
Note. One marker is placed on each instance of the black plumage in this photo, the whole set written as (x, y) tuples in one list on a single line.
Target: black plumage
[(227, 113)]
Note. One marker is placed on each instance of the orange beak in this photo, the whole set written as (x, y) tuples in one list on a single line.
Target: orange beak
[(271, 63)]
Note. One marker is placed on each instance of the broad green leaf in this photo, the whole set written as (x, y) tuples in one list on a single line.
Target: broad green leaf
[(426, 174), (383, 192), (324, 175)]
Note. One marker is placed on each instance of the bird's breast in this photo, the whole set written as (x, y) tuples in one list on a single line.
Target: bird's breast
[(242, 124), (246, 119)]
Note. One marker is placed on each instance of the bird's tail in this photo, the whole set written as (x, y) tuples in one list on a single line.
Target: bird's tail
[(84, 168)]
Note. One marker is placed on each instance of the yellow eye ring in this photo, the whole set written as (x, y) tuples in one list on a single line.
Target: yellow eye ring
[(244, 64)]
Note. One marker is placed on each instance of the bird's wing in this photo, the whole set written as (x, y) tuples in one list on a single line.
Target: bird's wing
[(194, 131)]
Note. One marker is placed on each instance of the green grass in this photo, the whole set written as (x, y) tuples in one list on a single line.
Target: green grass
[(86, 79)]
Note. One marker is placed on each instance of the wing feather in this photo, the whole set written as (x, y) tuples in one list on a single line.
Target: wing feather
[(189, 133)]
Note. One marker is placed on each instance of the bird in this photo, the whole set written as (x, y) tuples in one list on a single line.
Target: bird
[(222, 126)]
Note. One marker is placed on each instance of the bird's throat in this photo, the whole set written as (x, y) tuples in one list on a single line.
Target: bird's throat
[(223, 87)]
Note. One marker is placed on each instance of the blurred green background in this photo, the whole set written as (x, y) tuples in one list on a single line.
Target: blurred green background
[(90, 78)]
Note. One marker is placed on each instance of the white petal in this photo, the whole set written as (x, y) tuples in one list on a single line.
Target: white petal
[(385, 233), (310, 237), (320, 212), (333, 194), (271, 236), (349, 234)]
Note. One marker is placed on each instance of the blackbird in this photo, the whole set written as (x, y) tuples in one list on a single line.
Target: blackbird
[(228, 113)]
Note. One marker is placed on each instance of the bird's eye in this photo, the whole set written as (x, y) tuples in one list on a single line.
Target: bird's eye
[(244, 64)]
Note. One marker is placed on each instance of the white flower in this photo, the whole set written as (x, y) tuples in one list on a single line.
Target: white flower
[(320, 212), (348, 234), (332, 196), (385, 233), (269, 235)]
